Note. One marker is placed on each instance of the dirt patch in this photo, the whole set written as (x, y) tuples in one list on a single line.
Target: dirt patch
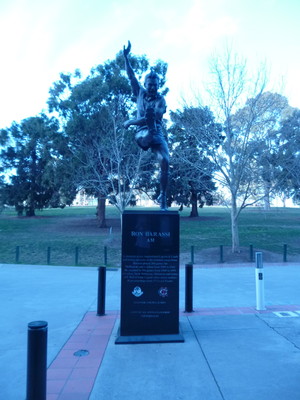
[(197, 219), (84, 226), (214, 256)]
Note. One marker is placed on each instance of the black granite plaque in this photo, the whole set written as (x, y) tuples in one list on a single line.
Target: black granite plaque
[(150, 277)]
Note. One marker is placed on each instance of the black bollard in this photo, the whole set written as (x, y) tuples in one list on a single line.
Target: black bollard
[(189, 287), (101, 290), (37, 360)]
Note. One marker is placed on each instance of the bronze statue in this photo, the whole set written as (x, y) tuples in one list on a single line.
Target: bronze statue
[(150, 109)]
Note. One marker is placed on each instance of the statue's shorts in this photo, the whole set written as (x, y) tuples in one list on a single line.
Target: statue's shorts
[(147, 139)]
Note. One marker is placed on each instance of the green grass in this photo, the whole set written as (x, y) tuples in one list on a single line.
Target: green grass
[(76, 227)]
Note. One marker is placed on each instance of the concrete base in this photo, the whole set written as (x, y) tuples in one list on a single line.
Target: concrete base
[(171, 338)]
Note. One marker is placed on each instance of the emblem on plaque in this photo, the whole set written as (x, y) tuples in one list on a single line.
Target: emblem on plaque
[(163, 292), (137, 291)]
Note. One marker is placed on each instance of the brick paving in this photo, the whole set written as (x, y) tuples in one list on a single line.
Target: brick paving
[(72, 374)]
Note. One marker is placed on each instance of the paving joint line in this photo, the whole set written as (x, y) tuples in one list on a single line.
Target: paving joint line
[(276, 331), (206, 360)]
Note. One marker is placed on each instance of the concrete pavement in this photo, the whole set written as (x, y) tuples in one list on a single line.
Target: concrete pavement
[(236, 357), (229, 354)]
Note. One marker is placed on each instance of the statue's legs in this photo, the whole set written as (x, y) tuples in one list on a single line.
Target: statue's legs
[(144, 137), (162, 154)]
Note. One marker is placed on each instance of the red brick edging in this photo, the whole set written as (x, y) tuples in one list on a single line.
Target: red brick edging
[(71, 377)]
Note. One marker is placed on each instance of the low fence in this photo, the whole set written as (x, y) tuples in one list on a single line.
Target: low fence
[(94, 255), (84, 255)]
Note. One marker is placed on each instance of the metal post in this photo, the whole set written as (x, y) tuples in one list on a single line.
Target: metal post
[(48, 255), (101, 290), (259, 280), (192, 254), (37, 360), (105, 255), (189, 287), (251, 252), (221, 254), (284, 252), (17, 254), (76, 255)]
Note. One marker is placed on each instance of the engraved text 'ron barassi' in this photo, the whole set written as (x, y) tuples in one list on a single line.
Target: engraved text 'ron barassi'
[(151, 235)]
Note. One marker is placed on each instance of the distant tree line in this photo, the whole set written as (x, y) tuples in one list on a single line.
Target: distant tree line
[(242, 148)]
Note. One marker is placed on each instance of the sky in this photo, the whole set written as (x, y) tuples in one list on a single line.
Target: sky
[(42, 38)]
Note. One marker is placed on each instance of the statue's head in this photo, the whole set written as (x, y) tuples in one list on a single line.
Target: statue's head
[(152, 82)]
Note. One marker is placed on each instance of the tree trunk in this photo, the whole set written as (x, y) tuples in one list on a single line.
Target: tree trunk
[(30, 212), (194, 211), (19, 208), (234, 227), (101, 212), (267, 203), (284, 201)]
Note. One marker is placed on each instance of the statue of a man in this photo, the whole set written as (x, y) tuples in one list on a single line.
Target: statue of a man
[(150, 109)]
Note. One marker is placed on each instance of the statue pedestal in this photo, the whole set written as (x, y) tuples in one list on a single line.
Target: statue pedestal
[(150, 277)]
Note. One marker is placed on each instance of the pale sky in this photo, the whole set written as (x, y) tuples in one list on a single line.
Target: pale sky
[(41, 38)]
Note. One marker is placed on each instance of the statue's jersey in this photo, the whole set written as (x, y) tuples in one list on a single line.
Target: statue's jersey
[(144, 138)]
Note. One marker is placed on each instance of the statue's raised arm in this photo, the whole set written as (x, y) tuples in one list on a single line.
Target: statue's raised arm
[(126, 50), (134, 82)]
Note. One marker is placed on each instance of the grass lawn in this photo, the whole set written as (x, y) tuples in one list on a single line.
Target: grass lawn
[(71, 236)]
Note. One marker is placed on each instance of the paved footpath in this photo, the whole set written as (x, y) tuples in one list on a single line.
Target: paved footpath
[(231, 351)]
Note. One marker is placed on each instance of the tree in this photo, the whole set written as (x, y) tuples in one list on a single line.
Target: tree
[(31, 160), (288, 137), (192, 133), (270, 109), (236, 98), (1, 194), (108, 161), (105, 160)]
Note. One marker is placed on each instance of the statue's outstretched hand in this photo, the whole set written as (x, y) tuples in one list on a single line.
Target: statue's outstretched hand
[(126, 50)]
